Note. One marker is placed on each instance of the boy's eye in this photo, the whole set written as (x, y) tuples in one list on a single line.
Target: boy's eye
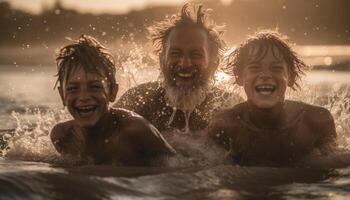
[(96, 87), (71, 88), (277, 68)]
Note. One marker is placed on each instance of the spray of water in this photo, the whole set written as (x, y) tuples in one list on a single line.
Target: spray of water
[(31, 141)]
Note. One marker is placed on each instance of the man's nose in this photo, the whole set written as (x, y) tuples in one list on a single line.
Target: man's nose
[(186, 61)]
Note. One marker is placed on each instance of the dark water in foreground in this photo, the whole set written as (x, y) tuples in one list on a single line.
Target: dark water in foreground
[(27, 101), (34, 180)]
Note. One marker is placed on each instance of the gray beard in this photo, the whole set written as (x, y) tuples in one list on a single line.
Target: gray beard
[(185, 99)]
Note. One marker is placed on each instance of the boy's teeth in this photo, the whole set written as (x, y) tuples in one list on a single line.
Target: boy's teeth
[(86, 108), (265, 89)]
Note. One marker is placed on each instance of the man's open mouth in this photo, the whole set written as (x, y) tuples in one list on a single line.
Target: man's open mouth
[(265, 89), (85, 110), (185, 74)]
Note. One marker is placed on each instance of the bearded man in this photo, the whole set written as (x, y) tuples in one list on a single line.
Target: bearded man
[(189, 47)]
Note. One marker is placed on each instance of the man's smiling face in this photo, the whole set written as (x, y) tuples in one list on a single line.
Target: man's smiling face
[(185, 62), (265, 80), (86, 96)]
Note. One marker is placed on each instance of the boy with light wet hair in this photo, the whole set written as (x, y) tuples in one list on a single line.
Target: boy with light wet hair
[(267, 129), (189, 46), (87, 84)]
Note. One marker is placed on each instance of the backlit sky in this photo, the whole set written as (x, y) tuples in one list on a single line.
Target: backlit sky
[(94, 6)]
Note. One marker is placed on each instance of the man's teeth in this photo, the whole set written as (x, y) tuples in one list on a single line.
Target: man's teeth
[(185, 75)]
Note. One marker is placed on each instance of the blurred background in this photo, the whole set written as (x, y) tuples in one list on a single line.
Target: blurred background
[(32, 30)]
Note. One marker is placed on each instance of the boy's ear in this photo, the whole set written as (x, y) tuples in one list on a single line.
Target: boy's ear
[(239, 81), (291, 80), (161, 59), (60, 91), (113, 92)]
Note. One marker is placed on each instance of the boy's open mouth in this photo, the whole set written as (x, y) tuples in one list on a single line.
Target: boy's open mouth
[(265, 89), (85, 110)]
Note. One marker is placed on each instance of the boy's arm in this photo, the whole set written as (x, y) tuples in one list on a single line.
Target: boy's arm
[(58, 137), (323, 123), (139, 142), (63, 140)]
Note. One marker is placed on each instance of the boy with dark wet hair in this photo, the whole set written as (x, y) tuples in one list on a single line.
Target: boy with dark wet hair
[(189, 45), (87, 84), (267, 129)]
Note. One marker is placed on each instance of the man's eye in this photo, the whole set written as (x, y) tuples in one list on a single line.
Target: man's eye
[(175, 54), (253, 67), (197, 55)]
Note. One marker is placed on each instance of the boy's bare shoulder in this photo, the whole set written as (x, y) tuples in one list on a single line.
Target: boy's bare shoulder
[(61, 130), (128, 119), (312, 113)]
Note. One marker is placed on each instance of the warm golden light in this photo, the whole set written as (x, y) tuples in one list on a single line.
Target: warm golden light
[(92, 6)]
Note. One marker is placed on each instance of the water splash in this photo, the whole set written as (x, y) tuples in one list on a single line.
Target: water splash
[(30, 140)]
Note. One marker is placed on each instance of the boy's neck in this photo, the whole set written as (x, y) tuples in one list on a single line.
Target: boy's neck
[(270, 118), (101, 128)]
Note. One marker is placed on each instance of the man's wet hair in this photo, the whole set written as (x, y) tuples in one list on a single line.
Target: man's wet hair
[(190, 16), (263, 41), (88, 53)]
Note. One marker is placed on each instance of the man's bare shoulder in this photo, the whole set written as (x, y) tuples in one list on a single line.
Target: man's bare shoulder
[(138, 94)]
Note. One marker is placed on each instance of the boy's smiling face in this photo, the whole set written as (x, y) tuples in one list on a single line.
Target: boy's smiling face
[(265, 80), (87, 96)]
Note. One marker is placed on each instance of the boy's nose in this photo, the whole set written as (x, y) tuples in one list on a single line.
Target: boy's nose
[(265, 74), (84, 96)]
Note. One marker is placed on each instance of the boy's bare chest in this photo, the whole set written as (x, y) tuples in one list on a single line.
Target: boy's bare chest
[(282, 144)]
